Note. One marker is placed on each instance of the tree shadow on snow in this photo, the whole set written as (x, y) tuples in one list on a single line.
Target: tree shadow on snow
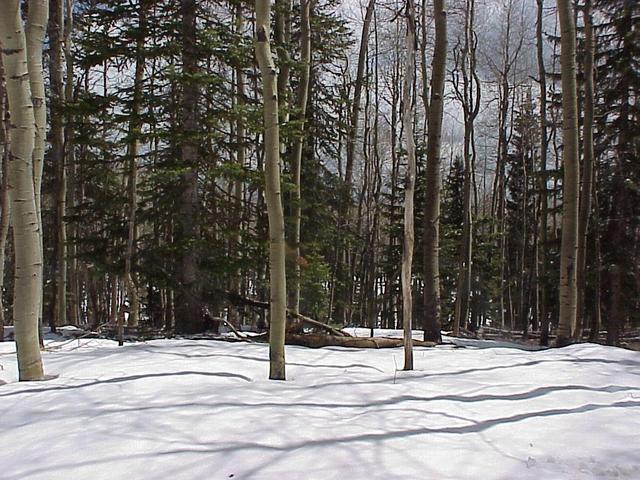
[(129, 378), (208, 448)]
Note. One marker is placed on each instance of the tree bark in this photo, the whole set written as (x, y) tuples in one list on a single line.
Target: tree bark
[(296, 165), (570, 185), (26, 224), (432, 323), (135, 127), (74, 284), (273, 195), (5, 204), (543, 316), (37, 18), (343, 251), (188, 315), (56, 154), (587, 166), (282, 37), (470, 105), (240, 133), (596, 318), (408, 122)]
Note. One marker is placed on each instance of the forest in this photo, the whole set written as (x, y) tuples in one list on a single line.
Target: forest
[(426, 165), (244, 180)]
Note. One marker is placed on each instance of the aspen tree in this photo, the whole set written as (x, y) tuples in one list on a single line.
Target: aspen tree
[(273, 194), (37, 19), (570, 184), (21, 173), (296, 165), (408, 121)]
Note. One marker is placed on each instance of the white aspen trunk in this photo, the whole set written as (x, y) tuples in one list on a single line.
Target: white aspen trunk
[(282, 34), (570, 184), (408, 121), (37, 19), (273, 195), (26, 224)]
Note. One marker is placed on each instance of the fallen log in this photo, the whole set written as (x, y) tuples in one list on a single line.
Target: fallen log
[(211, 318), (316, 323), (239, 300), (318, 340)]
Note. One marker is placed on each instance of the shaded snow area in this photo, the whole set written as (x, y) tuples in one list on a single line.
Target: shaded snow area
[(187, 409)]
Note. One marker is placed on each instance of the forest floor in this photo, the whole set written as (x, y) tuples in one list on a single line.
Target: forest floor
[(187, 409)]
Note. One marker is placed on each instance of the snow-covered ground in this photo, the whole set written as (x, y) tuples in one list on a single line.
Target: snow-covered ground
[(187, 409)]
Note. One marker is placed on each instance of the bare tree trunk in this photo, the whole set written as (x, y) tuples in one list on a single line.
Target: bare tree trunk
[(470, 105), (587, 172), (56, 153), (408, 122), (37, 18), (74, 289), (424, 93), (296, 165), (570, 185), (5, 204), (135, 126), (343, 253), (114, 311), (240, 132), (432, 323), (188, 315), (26, 224), (596, 318), (543, 316), (273, 195), (282, 38)]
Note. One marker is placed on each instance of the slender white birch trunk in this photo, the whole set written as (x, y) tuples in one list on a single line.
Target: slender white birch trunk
[(408, 120), (21, 173), (273, 194), (37, 19)]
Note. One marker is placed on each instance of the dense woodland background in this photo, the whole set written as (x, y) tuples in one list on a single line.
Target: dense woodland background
[(152, 195)]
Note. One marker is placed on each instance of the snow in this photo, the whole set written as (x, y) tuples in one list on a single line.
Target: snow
[(187, 409)]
